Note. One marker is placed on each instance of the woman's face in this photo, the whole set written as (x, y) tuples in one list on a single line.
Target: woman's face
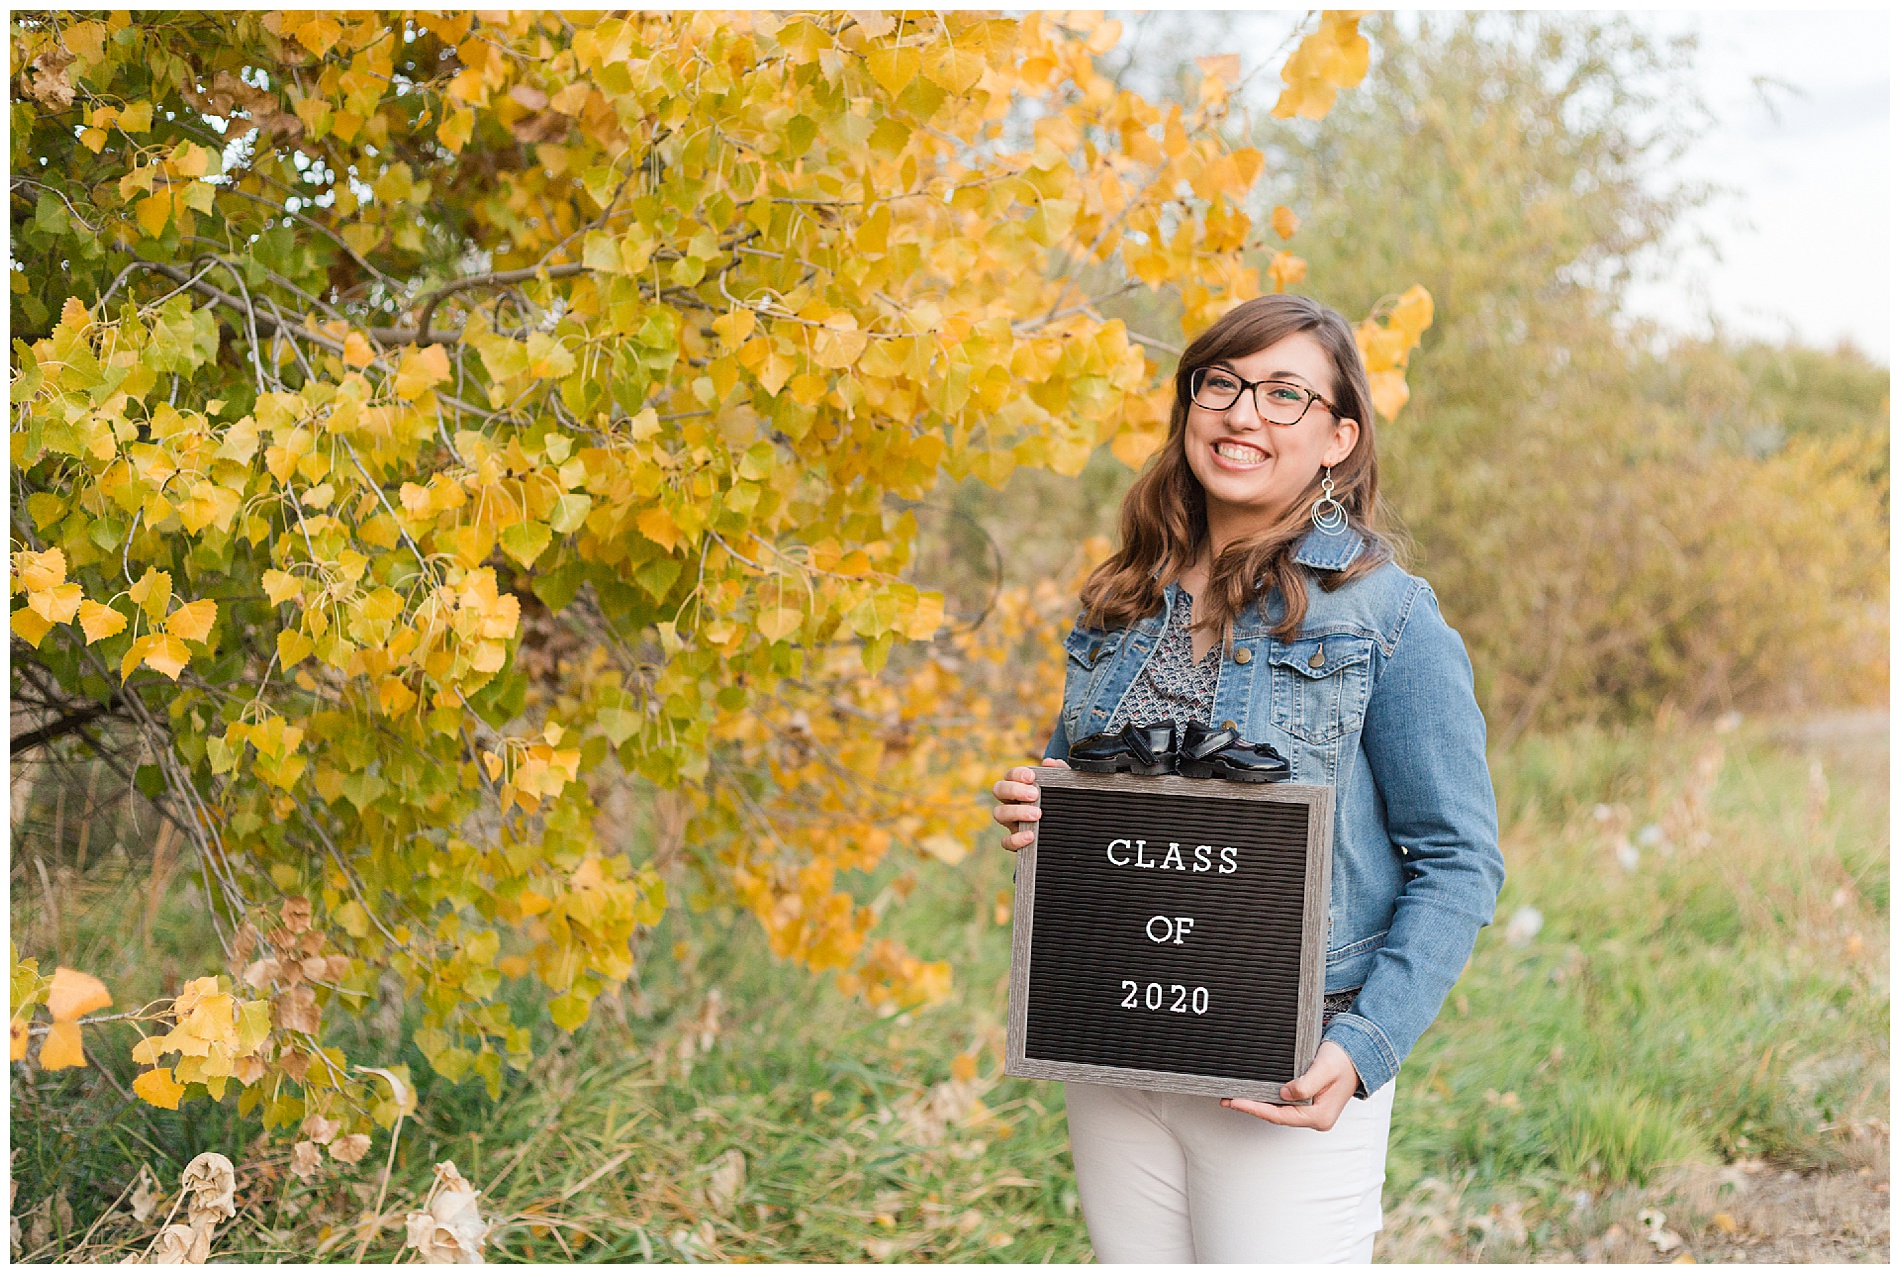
[(1254, 470)]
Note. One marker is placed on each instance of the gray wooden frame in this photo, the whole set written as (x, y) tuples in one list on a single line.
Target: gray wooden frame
[(1319, 869)]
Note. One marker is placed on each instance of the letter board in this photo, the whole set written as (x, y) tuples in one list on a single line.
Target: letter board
[(1170, 933)]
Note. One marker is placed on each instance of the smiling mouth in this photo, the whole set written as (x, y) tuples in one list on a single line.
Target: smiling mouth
[(1240, 453)]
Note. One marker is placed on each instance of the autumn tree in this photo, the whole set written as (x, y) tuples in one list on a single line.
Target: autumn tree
[(425, 426)]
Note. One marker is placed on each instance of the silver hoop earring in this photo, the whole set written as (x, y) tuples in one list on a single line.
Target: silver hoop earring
[(1329, 515)]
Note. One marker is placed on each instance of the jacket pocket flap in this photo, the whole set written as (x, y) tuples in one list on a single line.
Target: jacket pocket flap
[(1322, 656)]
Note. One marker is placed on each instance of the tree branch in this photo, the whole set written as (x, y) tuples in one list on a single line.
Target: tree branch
[(73, 721)]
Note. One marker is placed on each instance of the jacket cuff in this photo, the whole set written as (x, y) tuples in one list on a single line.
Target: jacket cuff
[(1371, 1052)]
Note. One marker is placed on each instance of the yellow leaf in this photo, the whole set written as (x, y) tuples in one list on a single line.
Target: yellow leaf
[(158, 1088), (30, 627), (136, 180), (93, 139), (894, 68), (153, 592), (134, 654), (136, 118), (658, 525), (395, 697), (146, 1051), (548, 359), (41, 571), (59, 604), (194, 620), (292, 646), (808, 388), (166, 655), (318, 33), (1412, 314), (734, 327), (1389, 392), (190, 160), (963, 1065), (779, 623), (281, 587), (62, 1049), (17, 1039), (99, 622), (75, 994), (775, 371), (1285, 270), (357, 351), (956, 70), (153, 212), (455, 131), (1285, 223), (927, 618), (421, 369)]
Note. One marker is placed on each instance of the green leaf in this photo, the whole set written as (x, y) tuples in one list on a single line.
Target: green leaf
[(362, 788), (570, 1010), (525, 541), (556, 588), (618, 724), (49, 213), (452, 1063), (657, 576), (44, 508), (569, 513), (352, 919)]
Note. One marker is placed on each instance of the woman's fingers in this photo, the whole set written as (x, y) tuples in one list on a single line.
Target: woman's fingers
[(1314, 1116), (1009, 814), (1017, 793), (1020, 799)]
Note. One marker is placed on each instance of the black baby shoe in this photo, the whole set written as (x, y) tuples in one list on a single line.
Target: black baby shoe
[(1208, 753), (1138, 749)]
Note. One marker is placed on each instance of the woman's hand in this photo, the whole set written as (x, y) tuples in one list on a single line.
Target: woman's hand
[(1330, 1081), (1021, 804)]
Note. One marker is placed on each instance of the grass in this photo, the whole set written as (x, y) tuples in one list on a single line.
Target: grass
[(1717, 1005)]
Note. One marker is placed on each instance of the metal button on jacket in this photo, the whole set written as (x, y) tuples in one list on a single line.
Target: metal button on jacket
[(1318, 660), (1243, 656)]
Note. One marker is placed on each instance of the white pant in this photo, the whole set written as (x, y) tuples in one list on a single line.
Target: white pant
[(1166, 1177)]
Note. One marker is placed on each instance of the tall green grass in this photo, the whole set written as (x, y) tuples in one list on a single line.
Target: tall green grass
[(1722, 997)]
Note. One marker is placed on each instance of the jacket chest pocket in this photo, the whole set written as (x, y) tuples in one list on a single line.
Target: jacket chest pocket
[(1321, 685), (1089, 655)]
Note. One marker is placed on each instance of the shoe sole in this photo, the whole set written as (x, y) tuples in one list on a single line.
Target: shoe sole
[(1121, 764), (1216, 770)]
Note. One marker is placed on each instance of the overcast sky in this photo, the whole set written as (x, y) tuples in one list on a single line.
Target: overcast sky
[(1801, 241), (1805, 238)]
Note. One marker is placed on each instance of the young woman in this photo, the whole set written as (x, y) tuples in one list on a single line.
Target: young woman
[(1255, 594)]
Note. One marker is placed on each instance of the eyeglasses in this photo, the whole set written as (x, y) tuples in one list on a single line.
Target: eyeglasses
[(1279, 402)]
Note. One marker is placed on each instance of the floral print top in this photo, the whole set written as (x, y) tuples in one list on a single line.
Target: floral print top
[(1173, 685)]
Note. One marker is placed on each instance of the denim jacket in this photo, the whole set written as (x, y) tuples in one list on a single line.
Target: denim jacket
[(1373, 699)]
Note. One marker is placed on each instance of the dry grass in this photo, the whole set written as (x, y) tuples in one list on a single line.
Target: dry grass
[(1733, 989)]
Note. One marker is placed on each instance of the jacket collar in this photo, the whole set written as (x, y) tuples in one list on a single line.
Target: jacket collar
[(1325, 552)]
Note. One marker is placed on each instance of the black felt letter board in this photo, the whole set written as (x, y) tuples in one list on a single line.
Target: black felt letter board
[(1170, 933)]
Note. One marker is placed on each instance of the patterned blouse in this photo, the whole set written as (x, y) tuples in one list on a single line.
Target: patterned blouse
[(1172, 685)]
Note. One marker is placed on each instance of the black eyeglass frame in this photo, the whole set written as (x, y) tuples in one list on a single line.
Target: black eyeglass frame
[(1194, 395)]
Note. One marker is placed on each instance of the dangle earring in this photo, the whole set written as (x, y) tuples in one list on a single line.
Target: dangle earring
[(1329, 515)]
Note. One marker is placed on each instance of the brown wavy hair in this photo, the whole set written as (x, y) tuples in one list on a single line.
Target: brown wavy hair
[(1164, 514)]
